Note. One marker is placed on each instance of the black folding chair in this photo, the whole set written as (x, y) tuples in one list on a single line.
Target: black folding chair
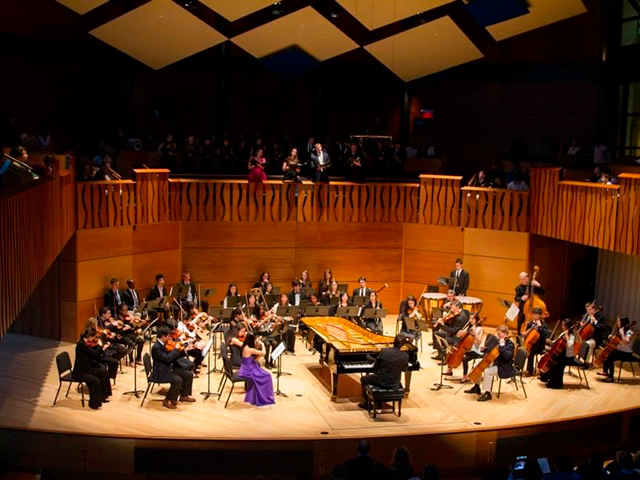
[(635, 358), (518, 370), (65, 374), (146, 361), (231, 376)]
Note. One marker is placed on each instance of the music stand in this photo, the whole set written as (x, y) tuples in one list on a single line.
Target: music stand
[(374, 313), (271, 299), (206, 351), (276, 354), (439, 386), (306, 291), (276, 290), (346, 312), (359, 300), (446, 281), (208, 292), (343, 287), (135, 392)]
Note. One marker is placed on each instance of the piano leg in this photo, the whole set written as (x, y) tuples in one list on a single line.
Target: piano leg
[(334, 386), (407, 383)]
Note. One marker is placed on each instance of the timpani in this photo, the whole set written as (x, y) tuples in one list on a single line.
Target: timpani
[(472, 304), (431, 300)]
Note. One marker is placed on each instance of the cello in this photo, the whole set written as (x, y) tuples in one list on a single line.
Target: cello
[(532, 335), (533, 300), (611, 346), (492, 353), (454, 358), (556, 349)]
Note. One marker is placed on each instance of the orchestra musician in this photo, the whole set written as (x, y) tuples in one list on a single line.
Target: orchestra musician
[(502, 366), (475, 352), (388, 368), (268, 288), (271, 337), (130, 296), (553, 377), (112, 351), (129, 334), (624, 349), (89, 367), (448, 327), (288, 332), (373, 324), (410, 310), (448, 301), (522, 294), (158, 291), (235, 342), (252, 309), (343, 302), (190, 330), (232, 291), (166, 370), (264, 278), (325, 283), (305, 281), (192, 292), (332, 293), (296, 295), (594, 316), (362, 289), (537, 322), (113, 299), (460, 278), (260, 384)]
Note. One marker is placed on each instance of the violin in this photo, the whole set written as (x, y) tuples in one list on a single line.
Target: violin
[(492, 353)]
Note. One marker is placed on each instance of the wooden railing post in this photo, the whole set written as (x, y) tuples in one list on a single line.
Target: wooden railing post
[(439, 200), (544, 201), (628, 223), (152, 195)]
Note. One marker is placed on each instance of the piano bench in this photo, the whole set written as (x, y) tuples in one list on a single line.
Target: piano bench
[(377, 396)]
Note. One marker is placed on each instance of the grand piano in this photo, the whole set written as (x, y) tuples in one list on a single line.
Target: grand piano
[(347, 348)]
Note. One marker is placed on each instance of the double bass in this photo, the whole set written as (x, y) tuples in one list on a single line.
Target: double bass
[(533, 300)]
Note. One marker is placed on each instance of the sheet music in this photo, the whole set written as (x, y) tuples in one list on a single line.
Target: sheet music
[(277, 351), (513, 312)]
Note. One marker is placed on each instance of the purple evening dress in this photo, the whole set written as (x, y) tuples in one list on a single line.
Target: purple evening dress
[(260, 384)]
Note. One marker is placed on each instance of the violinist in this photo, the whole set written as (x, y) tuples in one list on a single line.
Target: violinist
[(373, 324), (191, 333), (89, 368), (129, 334), (166, 370), (232, 291), (112, 352), (537, 322), (268, 288), (448, 327), (236, 339), (596, 318), (410, 310), (477, 332), (448, 301), (264, 278), (624, 350), (252, 309), (113, 299), (523, 291), (502, 366), (554, 376)]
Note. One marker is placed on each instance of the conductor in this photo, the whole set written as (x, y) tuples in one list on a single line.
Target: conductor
[(388, 367)]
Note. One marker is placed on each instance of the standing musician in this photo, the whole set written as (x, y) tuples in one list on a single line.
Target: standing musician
[(389, 365), (624, 350), (166, 370), (522, 294), (594, 316), (113, 299), (477, 332), (130, 333), (158, 291), (460, 278), (448, 327), (502, 366), (320, 163), (373, 324), (89, 368), (264, 278), (537, 323), (362, 289), (554, 376), (130, 296)]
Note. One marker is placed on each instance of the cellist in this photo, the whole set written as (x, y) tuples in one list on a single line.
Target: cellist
[(596, 318), (502, 366), (537, 322), (623, 351), (477, 332), (554, 376), (448, 327), (523, 292)]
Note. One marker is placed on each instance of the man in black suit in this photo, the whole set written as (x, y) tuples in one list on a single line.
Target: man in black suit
[(362, 289), (113, 299), (89, 367), (296, 295), (460, 279), (389, 365), (158, 291), (523, 289), (130, 296), (165, 370), (320, 163), (359, 468), (449, 330)]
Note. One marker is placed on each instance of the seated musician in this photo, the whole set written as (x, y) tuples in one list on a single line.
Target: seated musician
[(502, 366), (112, 351), (268, 288), (389, 365), (158, 291), (373, 324), (130, 296), (362, 290), (410, 310), (192, 332), (252, 309), (296, 295), (166, 370), (555, 374), (264, 278), (89, 368), (448, 301), (288, 332), (325, 283), (235, 341), (477, 332), (305, 281), (113, 299), (192, 292), (232, 291), (537, 323), (343, 302), (522, 294), (460, 278), (259, 382), (624, 350), (332, 293), (448, 327), (597, 319), (130, 335)]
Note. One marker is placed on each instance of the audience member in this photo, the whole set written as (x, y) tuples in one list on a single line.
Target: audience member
[(338, 472), (401, 464), (256, 166), (359, 467), (564, 470), (601, 154), (593, 469), (518, 184)]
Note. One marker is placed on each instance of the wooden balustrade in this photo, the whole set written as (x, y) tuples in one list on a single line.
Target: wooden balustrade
[(495, 209), (439, 200), (628, 224), (544, 200), (106, 204), (152, 195), (35, 224)]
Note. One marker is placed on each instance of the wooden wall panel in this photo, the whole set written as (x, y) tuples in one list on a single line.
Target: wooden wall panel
[(434, 238), (95, 243), (238, 234), (68, 321), (94, 275), (421, 266), (68, 281), (147, 265), (154, 237), (496, 243), (348, 235), (491, 308), (492, 274)]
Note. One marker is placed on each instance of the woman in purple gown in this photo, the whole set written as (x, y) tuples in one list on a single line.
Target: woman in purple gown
[(259, 384)]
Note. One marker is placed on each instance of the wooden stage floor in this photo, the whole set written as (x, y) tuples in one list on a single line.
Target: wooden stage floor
[(28, 382)]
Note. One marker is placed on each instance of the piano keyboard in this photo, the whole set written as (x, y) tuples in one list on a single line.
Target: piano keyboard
[(357, 365)]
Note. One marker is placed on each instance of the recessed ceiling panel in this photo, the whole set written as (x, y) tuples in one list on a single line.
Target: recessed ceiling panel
[(427, 49), (305, 29), (543, 12), (377, 13), (158, 34), (82, 6), (234, 9)]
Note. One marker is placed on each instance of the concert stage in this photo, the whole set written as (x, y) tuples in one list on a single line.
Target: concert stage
[(447, 427)]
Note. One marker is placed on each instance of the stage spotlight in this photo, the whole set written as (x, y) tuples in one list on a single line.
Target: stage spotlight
[(277, 9)]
